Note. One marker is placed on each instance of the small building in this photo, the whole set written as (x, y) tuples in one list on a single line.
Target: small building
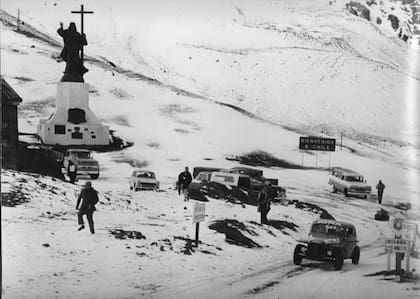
[(9, 124), (9, 120)]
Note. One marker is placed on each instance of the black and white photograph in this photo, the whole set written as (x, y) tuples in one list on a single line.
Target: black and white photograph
[(210, 149)]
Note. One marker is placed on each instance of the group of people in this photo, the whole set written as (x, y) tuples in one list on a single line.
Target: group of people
[(88, 198), (264, 197)]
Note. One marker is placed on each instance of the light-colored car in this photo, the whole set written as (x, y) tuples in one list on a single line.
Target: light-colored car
[(349, 182), (143, 180), (84, 161)]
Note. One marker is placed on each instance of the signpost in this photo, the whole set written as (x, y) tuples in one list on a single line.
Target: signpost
[(405, 234), (409, 231), (199, 214), (317, 143), (314, 143), (398, 246)]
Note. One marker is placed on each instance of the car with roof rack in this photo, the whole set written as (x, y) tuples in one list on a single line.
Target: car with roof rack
[(349, 182)]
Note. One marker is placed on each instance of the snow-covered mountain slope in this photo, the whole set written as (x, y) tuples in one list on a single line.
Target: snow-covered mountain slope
[(172, 129), (172, 67), (306, 64)]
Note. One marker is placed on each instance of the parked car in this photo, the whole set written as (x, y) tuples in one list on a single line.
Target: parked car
[(84, 161), (329, 240), (251, 172), (257, 181), (143, 180), (231, 179), (349, 182), (199, 169)]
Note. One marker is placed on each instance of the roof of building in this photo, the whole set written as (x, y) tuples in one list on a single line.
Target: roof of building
[(8, 95)]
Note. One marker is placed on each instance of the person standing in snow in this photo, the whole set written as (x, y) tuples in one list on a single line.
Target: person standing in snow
[(264, 200), (72, 171), (89, 198), (380, 187), (184, 181)]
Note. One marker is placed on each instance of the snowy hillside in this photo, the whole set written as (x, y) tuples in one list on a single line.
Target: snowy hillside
[(305, 64), (192, 83)]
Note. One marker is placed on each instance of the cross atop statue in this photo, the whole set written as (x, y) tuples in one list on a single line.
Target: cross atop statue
[(72, 52)]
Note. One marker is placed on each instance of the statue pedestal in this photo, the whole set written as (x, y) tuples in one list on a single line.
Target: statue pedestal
[(73, 123)]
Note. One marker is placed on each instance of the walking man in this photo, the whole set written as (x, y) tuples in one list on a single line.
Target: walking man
[(380, 187), (184, 180), (264, 200), (89, 198)]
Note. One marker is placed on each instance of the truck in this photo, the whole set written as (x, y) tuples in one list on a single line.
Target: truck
[(86, 165)]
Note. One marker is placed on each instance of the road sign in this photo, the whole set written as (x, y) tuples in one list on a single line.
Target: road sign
[(397, 225), (409, 231), (317, 143), (199, 212), (396, 245)]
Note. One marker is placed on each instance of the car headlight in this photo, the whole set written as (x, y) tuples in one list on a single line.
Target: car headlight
[(329, 252)]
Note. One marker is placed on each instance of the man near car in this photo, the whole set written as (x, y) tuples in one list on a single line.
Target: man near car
[(72, 171), (264, 200), (380, 187), (184, 180), (88, 198)]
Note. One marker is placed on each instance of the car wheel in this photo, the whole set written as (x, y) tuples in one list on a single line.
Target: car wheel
[(346, 194), (334, 189), (297, 258), (338, 261), (355, 256)]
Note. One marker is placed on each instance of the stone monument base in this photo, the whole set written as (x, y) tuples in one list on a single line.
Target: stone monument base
[(73, 123)]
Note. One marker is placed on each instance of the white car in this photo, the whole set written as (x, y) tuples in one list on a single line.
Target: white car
[(349, 182), (143, 180)]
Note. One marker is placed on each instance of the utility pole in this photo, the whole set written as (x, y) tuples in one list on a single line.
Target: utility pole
[(18, 21)]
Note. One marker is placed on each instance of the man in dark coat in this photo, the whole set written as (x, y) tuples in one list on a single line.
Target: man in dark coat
[(72, 171), (380, 187), (89, 198), (264, 201), (73, 43), (184, 180)]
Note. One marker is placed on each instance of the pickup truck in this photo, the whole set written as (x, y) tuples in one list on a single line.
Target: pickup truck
[(85, 163)]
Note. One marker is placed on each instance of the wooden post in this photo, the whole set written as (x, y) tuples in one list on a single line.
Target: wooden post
[(18, 21), (341, 141), (407, 257), (398, 259), (303, 155), (329, 159), (197, 229)]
